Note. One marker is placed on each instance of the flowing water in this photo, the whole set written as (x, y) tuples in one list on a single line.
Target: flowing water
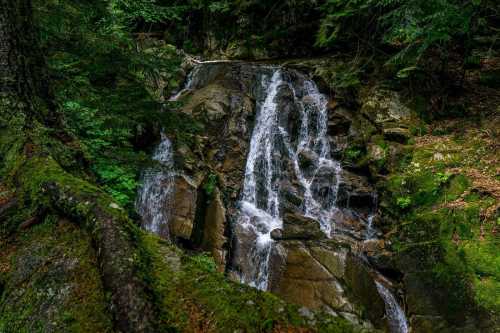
[(156, 191), (395, 314), (260, 203), (289, 143), (188, 85), (271, 144)]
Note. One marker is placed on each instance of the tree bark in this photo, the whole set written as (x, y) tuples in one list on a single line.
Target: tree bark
[(24, 84)]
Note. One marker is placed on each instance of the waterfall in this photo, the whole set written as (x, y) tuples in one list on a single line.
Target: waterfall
[(260, 203), (314, 138), (272, 143), (157, 189), (188, 85), (395, 314), (261, 217), (291, 127)]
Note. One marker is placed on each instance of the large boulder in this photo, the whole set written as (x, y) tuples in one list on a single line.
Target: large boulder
[(384, 107), (305, 281), (298, 226), (361, 283)]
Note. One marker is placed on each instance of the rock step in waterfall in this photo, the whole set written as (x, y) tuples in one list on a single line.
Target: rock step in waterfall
[(288, 157)]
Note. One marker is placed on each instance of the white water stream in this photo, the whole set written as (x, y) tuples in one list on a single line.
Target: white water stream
[(260, 202), (271, 145), (395, 314), (157, 189)]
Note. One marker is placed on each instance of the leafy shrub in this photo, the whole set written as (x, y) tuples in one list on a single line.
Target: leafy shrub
[(403, 202), (210, 184), (411, 27)]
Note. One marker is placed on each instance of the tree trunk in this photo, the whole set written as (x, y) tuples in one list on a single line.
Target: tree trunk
[(27, 114), (23, 77)]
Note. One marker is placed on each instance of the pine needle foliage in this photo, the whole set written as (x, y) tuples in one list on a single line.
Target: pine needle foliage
[(410, 27)]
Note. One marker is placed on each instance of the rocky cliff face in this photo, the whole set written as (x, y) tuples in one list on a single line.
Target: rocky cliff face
[(309, 267), (338, 272)]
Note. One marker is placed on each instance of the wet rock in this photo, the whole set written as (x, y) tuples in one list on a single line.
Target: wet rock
[(277, 260), (347, 222), (211, 102), (355, 192), (214, 239), (277, 234), (291, 199), (183, 208), (373, 246), (224, 110), (306, 282), (333, 261), (384, 261), (241, 249), (297, 226), (364, 291), (338, 124), (307, 158)]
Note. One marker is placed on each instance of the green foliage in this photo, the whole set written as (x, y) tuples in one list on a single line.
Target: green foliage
[(442, 178), (412, 27), (403, 202), (101, 81), (204, 262), (149, 11), (341, 77), (210, 184), (353, 153)]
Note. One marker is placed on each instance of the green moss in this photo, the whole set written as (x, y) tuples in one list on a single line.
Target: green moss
[(193, 294), (52, 282), (210, 184), (444, 227)]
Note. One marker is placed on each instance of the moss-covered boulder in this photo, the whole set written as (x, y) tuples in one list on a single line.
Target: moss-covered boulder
[(51, 282)]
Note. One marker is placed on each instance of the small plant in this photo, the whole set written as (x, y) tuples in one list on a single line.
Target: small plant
[(403, 202), (204, 262), (353, 153), (442, 177), (210, 184)]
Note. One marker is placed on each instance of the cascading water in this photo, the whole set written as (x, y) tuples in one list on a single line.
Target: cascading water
[(262, 216), (260, 203), (314, 138), (278, 147), (395, 314), (188, 86), (155, 193), (157, 189)]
